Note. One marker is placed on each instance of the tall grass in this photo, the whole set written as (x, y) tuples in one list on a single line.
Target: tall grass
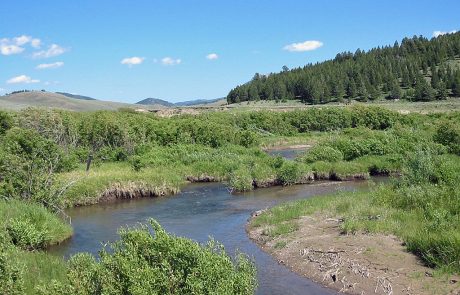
[(422, 208)]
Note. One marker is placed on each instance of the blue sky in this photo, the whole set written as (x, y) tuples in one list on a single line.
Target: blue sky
[(180, 50)]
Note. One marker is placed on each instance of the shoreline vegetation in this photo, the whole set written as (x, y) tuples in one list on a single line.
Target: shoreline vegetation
[(43, 159)]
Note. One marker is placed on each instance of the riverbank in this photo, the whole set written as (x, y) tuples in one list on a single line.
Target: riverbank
[(399, 238), (352, 264)]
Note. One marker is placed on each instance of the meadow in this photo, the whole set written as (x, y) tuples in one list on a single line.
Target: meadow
[(52, 159)]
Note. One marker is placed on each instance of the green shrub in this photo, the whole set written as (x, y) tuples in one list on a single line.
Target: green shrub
[(241, 180), (25, 235), (142, 263), (137, 164), (11, 276), (289, 173), (322, 153), (6, 122), (448, 134)]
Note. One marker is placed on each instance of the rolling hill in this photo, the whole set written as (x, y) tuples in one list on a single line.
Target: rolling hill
[(188, 103), (76, 96), (23, 100), (155, 101)]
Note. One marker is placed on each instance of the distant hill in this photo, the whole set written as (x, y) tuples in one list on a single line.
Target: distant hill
[(197, 102), (76, 96), (21, 100), (155, 101)]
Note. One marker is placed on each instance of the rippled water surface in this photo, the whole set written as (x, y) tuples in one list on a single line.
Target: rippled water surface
[(200, 211)]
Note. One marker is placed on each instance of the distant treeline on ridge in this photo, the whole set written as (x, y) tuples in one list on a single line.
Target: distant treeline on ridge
[(418, 69)]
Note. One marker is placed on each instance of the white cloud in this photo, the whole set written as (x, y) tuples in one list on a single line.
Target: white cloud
[(439, 33), (2, 90), (53, 65), (169, 61), (7, 49), (36, 43), (22, 79), (130, 61), (53, 50), (212, 56), (303, 46), (21, 40), (16, 44)]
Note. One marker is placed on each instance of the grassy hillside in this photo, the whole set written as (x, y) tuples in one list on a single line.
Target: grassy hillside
[(18, 101)]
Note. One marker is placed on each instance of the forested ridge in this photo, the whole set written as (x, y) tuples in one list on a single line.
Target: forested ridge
[(417, 69)]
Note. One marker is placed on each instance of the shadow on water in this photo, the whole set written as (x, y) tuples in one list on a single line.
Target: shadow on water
[(200, 211)]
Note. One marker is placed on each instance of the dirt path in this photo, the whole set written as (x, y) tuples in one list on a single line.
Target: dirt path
[(352, 264)]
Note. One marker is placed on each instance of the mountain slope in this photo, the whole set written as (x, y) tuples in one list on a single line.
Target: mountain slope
[(23, 100), (197, 102), (418, 69), (76, 96), (155, 101)]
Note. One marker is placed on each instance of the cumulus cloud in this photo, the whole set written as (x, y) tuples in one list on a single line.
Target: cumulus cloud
[(303, 46), (7, 49), (53, 65), (21, 40), (36, 43), (53, 50), (16, 44), (169, 61), (130, 61), (439, 33), (22, 79), (212, 56)]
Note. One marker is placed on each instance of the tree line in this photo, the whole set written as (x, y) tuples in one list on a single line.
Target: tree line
[(418, 69)]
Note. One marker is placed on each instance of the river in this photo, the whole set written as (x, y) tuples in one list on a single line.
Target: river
[(200, 211)]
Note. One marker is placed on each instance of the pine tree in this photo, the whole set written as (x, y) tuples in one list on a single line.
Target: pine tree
[(395, 91), (423, 90), (441, 91), (434, 78), (456, 84)]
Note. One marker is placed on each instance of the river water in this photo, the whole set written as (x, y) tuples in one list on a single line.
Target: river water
[(200, 211)]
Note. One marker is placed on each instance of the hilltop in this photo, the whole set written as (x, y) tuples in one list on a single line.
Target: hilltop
[(187, 103), (418, 69), (21, 100)]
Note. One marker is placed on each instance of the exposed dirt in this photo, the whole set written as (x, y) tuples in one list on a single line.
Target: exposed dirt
[(352, 264)]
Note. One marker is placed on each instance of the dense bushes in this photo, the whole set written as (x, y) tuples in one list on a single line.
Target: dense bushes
[(142, 263), (6, 122), (448, 134), (30, 226), (28, 165), (11, 276)]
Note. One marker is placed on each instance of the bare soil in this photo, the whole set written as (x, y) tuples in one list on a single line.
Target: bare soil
[(352, 264)]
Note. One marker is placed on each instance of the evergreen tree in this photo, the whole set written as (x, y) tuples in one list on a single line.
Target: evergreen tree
[(378, 68), (456, 84), (423, 90), (395, 91), (441, 90), (434, 79)]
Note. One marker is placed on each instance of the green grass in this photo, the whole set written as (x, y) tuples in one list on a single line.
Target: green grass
[(36, 228), (163, 170), (39, 268), (424, 214), (53, 229), (88, 187)]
